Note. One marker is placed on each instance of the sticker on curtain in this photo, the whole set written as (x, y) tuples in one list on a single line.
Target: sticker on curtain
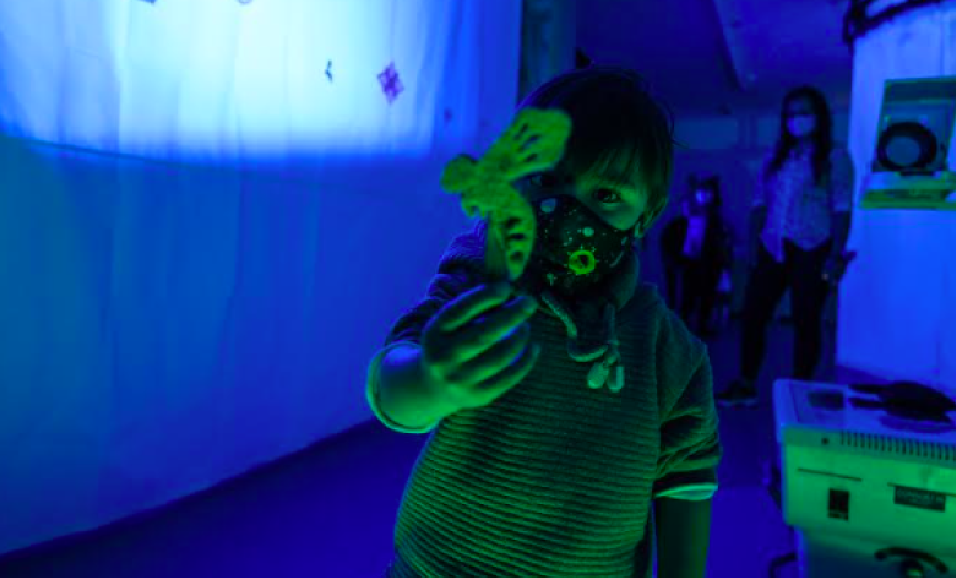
[(391, 83), (389, 80)]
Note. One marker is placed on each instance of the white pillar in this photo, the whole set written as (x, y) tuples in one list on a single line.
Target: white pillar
[(898, 302), (548, 41)]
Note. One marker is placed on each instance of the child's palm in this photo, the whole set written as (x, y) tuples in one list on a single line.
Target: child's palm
[(476, 347)]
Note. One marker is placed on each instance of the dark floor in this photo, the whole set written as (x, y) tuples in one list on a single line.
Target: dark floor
[(328, 511)]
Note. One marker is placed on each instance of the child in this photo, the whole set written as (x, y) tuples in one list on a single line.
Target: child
[(562, 407)]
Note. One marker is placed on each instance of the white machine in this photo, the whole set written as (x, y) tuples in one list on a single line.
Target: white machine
[(871, 492)]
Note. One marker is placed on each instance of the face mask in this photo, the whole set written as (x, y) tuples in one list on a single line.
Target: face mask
[(801, 126), (575, 248)]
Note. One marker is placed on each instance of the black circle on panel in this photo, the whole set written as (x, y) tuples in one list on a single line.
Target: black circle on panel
[(909, 130)]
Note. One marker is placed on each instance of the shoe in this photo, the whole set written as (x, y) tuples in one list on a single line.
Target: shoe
[(737, 394)]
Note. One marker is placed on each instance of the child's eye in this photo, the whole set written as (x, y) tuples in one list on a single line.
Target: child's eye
[(607, 196)]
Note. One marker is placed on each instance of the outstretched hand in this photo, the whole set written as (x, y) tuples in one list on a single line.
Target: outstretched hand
[(478, 346)]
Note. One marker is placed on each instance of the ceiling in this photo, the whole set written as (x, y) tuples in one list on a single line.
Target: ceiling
[(721, 56)]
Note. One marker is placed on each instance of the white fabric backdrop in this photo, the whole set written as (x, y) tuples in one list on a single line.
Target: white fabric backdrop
[(201, 259), (898, 301)]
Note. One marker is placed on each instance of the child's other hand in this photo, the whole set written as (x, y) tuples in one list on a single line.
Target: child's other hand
[(477, 347)]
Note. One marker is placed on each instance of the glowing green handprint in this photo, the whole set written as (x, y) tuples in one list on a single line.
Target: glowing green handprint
[(533, 143)]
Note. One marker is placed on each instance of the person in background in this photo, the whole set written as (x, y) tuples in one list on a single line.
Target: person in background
[(799, 227), (695, 252), (705, 254), (672, 249)]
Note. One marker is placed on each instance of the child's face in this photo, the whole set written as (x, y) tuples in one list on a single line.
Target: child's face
[(611, 193)]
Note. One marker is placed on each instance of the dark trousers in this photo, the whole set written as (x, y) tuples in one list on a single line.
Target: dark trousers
[(672, 278), (802, 273), (699, 292)]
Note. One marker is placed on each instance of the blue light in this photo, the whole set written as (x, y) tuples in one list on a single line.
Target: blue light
[(212, 77)]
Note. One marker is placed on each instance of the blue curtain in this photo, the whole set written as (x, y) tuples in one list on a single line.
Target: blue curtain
[(210, 213)]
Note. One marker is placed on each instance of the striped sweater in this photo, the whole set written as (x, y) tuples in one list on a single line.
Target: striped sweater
[(555, 479)]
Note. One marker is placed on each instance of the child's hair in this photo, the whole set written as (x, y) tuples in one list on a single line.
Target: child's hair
[(615, 119)]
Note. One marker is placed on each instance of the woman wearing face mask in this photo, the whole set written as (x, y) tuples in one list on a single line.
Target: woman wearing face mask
[(799, 227)]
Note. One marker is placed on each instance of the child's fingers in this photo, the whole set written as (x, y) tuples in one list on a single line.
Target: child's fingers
[(491, 361), (509, 377), (473, 339), (472, 304)]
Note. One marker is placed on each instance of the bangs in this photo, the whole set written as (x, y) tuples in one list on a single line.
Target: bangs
[(618, 161), (619, 133)]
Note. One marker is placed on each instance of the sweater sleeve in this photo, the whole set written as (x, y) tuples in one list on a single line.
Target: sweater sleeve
[(690, 447), (444, 288), (461, 269)]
